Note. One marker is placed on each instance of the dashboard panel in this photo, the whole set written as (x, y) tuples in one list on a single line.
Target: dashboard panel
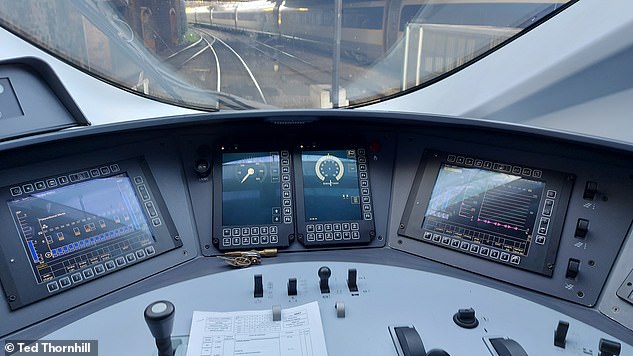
[(556, 209)]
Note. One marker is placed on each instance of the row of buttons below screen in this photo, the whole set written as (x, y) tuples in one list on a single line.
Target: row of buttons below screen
[(330, 236), (249, 231), (474, 248), (99, 269), (250, 240), (332, 227), (502, 167), (61, 180)]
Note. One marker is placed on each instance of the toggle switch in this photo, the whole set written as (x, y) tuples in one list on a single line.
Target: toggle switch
[(351, 280), (582, 227), (292, 286), (324, 275), (560, 334), (609, 348), (591, 188), (573, 266), (258, 291)]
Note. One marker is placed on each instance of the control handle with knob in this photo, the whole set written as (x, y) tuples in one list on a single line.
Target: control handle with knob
[(159, 317)]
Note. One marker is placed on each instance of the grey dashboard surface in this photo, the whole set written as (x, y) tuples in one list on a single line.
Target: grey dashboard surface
[(170, 148)]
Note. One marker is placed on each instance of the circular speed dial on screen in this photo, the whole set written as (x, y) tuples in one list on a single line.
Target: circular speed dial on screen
[(329, 169), (251, 171)]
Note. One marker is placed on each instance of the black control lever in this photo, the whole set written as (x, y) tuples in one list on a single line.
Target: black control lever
[(159, 317), (410, 341), (324, 275)]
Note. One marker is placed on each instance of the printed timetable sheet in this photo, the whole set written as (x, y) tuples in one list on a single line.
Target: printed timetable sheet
[(254, 333)]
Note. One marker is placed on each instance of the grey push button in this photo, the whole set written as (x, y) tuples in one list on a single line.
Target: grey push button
[(151, 209), (99, 269), (120, 261), (52, 286), (110, 265), (88, 273), (76, 277), (64, 282)]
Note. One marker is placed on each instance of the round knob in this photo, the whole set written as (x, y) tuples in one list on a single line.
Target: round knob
[(202, 167), (466, 318), (437, 352), (325, 272), (159, 317)]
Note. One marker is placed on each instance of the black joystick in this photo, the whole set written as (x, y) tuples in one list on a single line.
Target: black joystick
[(324, 275), (159, 317)]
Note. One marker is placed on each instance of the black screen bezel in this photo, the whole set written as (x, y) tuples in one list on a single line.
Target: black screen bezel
[(540, 259), (16, 274)]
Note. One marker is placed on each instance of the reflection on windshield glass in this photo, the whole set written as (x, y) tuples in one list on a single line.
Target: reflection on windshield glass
[(279, 53)]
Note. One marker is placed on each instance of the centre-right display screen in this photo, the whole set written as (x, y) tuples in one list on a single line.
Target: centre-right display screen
[(492, 208)]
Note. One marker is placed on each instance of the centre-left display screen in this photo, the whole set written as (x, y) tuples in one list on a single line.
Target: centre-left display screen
[(251, 183), (70, 227), (253, 200)]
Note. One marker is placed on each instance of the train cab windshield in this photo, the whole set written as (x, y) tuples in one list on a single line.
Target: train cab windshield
[(272, 53)]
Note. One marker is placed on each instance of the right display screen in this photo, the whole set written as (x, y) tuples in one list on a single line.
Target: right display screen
[(491, 208), (330, 186)]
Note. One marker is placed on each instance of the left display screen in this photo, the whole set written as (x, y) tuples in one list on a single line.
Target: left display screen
[(78, 225)]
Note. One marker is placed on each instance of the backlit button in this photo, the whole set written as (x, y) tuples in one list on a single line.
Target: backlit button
[(478, 163), (464, 245), (88, 273), (329, 236), (328, 227), (120, 261), (264, 239), (526, 172), (140, 254), (273, 229), (40, 185), (455, 243), (28, 188), (255, 240), (246, 240), (52, 286), (320, 236), (62, 180), (355, 226), (109, 265), (484, 251), (245, 231), (427, 235), (551, 194), (76, 277), (150, 250), (345, 226), (105, 170), (287, 219), (505, 257), (494, 254), (226, 232), (99, 269), (514, 259), (64, 282), (274, 239), (156, 222), (338, 235), (51, 182), (470, 161), (540, 239), (15, 191), (310, 228), (537, 174), (264, 230), (445, 240), (95, 172), (235, 241), (451, 158), (347, 235), (254, 230), (355, 235), (438, 238), (114, 167), (130, 257), (226, 241), (474, 248), (311, 236), (319, 227)]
